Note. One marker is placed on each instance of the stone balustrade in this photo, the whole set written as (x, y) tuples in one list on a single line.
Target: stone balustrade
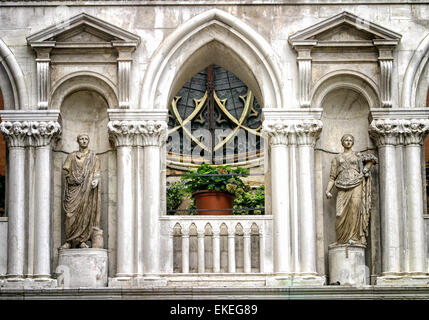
[(217, 244)]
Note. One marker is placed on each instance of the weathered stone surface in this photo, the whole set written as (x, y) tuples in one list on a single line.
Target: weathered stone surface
[(82, 268)]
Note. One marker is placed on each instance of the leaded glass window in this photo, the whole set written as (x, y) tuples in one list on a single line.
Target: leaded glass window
[(214, 118)]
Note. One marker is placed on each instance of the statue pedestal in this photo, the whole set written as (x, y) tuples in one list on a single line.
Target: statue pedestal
[(79, 268), (347, 265)]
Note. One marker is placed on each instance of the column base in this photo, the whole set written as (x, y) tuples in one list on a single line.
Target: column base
[(296, 280), (137, 282), (28, 283), (80, 268), (347, 265), (400, 280)]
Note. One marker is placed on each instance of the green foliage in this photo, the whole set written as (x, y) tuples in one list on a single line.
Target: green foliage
[(252, 199), (176, 193), (224, 182)]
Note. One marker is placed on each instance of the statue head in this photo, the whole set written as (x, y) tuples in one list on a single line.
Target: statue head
[(83, 140), (347, 140)]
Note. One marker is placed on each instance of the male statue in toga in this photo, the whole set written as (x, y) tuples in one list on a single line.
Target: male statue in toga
[(81, 194)]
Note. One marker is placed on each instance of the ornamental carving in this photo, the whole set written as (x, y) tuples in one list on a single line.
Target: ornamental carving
[(142, 133), (29, 133), (288, 132), (399, 131)]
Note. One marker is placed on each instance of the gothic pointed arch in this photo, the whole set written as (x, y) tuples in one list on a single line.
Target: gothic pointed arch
[(213, 37), (413, 73), (12, 83)]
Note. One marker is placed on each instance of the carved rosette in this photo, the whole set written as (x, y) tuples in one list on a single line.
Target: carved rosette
[(122, 132), (399, 131), (152, 133), (29, 133)]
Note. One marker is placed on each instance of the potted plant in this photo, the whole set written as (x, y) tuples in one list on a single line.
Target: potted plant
[(215, 187)]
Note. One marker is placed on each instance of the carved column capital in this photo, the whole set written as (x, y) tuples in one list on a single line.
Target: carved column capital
[(277, 131), (415, 131), (152, 133), (399, 131), (15, 133), (122, 132), (307, 132), (42, 132), (288, 132), (30, 133)]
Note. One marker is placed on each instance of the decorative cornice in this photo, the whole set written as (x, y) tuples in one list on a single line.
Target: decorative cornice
[(399, 131)]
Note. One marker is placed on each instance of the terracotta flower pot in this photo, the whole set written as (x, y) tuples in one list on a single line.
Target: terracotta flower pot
[(211, 199)]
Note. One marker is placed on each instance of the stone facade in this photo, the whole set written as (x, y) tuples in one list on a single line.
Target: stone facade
[(110, 69)]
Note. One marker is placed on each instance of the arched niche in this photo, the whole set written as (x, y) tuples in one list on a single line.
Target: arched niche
[(85, 80), (345, 110), (84, 110)]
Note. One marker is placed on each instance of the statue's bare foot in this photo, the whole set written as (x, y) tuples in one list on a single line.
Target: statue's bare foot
[(84, 245), (66, 245)]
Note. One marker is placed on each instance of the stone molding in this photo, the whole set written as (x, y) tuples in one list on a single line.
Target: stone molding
[(399, 131), (29, 133), (383, 39), (138, 133), (107, 36), (17, 98), (289, 132), (230, 32), (413, 74)]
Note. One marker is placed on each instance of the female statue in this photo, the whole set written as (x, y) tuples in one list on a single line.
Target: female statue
[(81, 194), (350, 173)]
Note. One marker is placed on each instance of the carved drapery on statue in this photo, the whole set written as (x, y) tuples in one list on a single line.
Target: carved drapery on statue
[(81, 195), (350, 173)]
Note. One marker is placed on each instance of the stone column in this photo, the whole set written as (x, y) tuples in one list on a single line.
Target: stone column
[(154, 134), (307, 132), (42, 134), (15, 135), (216, 249), (385, 133), (247, 250), (402, 226), (122, 133), (415, 130), (277, 132)]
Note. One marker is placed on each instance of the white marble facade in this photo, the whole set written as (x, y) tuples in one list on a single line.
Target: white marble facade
[(319, 70)]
